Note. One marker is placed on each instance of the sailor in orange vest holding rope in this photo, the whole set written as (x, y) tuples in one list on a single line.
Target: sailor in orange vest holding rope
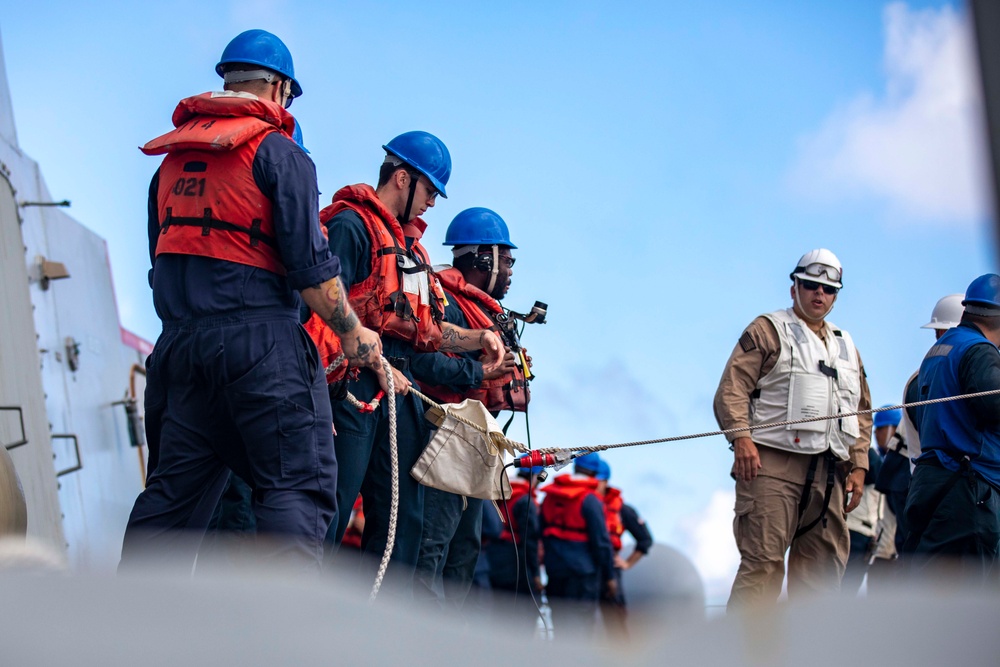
[(376, 234), (481, 276), (233, 382)]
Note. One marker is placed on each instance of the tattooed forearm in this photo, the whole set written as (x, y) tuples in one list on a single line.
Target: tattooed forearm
[(457, 339), (342, 319), (329, 301)]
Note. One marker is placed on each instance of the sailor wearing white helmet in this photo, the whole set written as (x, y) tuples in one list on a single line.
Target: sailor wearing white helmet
[(793, 483), (946, 315)]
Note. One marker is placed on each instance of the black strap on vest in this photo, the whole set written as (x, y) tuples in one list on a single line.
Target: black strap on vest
[(828, 371), (413, 269), (398, 303), (208, 223), (831, 478)]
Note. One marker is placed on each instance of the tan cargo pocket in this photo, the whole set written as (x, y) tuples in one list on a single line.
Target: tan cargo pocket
[(743, 507)]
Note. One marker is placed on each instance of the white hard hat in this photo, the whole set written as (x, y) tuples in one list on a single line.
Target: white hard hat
[(820, 266), (947, 312)]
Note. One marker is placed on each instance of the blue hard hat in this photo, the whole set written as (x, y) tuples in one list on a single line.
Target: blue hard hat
[(983, 296), (259, 47), (478, 226), (530, 471), (590, 462), (425, 153), (297, 135), (603, 471), (888, 417)]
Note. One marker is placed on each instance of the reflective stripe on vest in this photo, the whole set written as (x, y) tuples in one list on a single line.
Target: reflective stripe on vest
[(401, 297)]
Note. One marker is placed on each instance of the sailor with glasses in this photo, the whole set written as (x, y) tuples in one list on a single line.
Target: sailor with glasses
[(795, 484)]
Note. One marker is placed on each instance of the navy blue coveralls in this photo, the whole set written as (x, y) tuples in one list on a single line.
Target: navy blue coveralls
[(452, 533), (577, 571), (362, 441), (953, 507), (234, 383)]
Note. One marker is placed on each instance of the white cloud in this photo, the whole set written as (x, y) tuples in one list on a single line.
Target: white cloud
[(917, 145), (708, 540)]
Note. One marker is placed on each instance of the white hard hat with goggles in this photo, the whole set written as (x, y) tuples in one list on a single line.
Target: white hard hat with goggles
[(819, 266)]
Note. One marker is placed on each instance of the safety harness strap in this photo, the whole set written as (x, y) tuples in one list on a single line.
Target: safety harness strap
[(831, 477)]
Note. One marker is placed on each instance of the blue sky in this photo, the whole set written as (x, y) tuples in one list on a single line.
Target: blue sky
[(661, 166)]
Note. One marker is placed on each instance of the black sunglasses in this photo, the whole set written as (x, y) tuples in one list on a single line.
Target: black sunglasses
[(812, 286)]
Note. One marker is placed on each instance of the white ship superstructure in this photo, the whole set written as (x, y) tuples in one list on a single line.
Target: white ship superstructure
[(67, 367)]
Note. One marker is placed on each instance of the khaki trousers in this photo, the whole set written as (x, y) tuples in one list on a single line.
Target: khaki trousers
[(767, 517)]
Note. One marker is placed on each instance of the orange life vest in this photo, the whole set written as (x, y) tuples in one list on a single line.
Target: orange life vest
[(562, 509), (613, 515), (512, 531), (509, 392), (388, 301), (208, 203)]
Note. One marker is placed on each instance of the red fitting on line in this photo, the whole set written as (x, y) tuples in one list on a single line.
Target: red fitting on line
[(536, 459), (370, 407)]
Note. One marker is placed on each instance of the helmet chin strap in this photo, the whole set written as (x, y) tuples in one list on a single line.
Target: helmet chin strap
[(802, 311), (405, 217), (496, 270)]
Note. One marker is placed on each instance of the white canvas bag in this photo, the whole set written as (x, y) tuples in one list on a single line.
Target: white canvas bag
[(460, 459)]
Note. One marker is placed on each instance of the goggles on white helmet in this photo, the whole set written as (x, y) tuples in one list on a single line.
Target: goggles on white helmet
[(820, 273)]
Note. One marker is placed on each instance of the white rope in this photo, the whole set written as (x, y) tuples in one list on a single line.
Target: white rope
[(394, 464), (789, 422), (517, 446), (335, 364)]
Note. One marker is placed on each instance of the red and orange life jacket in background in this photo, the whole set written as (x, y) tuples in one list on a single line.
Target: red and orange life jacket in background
[(509, 392), (562, 509), (613, 514), (352, 535), (512, 531), (208, 203), (405, 302)]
